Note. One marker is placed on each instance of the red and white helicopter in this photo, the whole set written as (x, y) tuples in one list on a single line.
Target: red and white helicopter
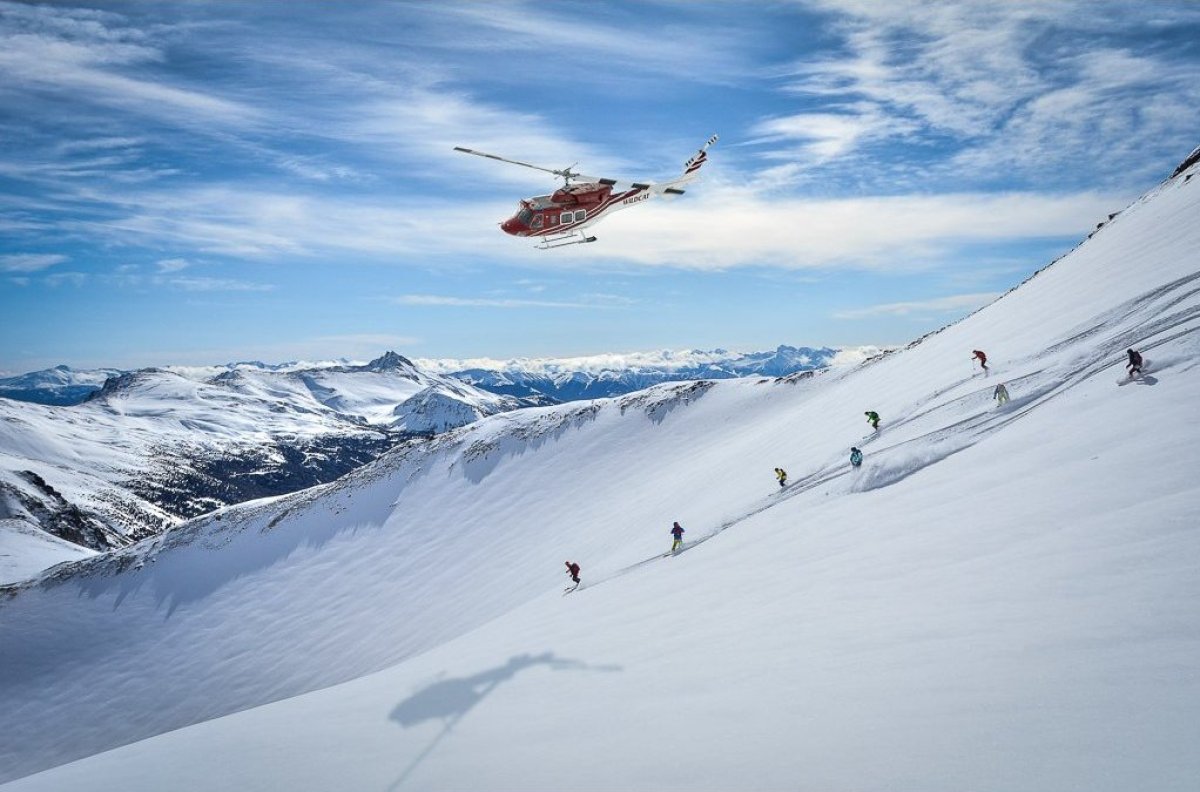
[(560, 218)]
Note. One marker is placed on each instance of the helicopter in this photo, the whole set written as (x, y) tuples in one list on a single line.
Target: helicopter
[(560, 218)]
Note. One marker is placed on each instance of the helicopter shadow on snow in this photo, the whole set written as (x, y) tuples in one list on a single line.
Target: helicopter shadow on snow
[(450, 700)]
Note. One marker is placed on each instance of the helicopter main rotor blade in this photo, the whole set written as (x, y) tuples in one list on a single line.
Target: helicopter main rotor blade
[(566, 173)]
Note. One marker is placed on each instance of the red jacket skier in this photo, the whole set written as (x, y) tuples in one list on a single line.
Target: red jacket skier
[(982, 358), (573, 571)]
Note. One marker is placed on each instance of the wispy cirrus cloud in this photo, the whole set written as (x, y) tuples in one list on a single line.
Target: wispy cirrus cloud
[(493, 302), (704, 50), (82, 54), (29, 262), (922, 308), (423, 126), (900, 233), (1017, 89), (172, 264), (205, 284)]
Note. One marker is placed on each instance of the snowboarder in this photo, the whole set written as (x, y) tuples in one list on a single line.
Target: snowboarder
[(573, 571), (873, 419), (855, 457), (1135, 363), (677, 532), (781, 474), (978, 354), (1000, 393)]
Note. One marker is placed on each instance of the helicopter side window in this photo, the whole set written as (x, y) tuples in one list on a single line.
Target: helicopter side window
[(552, 220), (580, 215)]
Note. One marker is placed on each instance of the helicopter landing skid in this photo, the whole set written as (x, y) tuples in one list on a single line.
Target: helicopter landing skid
[(562, 240)]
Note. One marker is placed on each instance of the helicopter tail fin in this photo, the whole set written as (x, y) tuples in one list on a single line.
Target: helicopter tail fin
[(693, 165), (691, 169)]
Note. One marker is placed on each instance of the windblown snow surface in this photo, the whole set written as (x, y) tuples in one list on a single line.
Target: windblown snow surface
[(1000, 599)]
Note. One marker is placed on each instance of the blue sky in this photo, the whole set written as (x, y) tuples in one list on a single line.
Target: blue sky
[(202, 182)]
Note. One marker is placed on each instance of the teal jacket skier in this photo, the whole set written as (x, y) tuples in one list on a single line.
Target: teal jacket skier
[(855, 457)]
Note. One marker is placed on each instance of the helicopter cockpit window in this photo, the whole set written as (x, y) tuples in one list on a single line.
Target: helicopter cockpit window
[(537, 222), (525, 215)]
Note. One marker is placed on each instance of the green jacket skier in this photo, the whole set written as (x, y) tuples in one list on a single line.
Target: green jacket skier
[(677, 532)]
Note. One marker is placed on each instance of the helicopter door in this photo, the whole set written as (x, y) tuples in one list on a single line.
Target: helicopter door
[(537, 222)]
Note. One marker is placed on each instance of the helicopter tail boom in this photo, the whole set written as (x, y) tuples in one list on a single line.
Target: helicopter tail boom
[(691, 170)]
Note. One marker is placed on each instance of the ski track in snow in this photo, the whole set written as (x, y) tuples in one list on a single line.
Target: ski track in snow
[(899, 460)]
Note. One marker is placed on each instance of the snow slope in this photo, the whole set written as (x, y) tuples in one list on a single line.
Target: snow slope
[(26, 551), (1001, 599)]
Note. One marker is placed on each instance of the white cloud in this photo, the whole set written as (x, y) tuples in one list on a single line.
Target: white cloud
[(923, 308), (424, 125), (726, 227), (1009, 82), (80, 55), (29, 262), (826, 136), (172, 264), (56, 279), (696, 52), (485, 302), (200, 284)]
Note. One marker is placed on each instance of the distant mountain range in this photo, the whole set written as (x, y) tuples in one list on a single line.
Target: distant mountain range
[(59, 385), (551, 380), (104, 457), (615, 375)]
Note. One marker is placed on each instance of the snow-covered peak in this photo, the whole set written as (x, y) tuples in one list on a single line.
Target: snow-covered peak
[(390, 361), (58, 385)]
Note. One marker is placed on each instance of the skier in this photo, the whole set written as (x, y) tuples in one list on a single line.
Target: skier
[(1000, 393), (982, 359), (873, 419), (573, 571), (677, 532), (1135, 363), (855, 457), (781, 474)]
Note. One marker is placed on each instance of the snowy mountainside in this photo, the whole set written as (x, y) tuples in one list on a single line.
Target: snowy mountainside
[(154, 447), (1001, 598)]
